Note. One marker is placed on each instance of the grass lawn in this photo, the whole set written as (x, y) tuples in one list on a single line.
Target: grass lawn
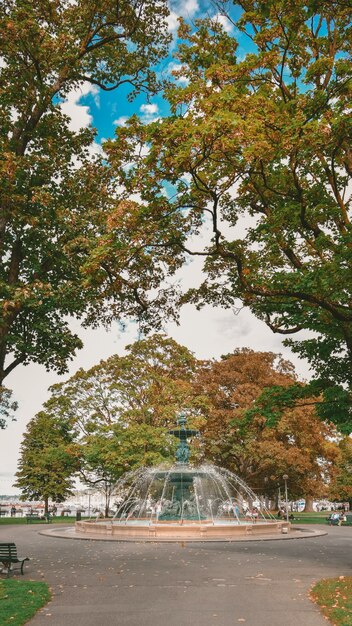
[(311, 518), (314, 518), (22, 520), (334, 597), (20, 600), (308, 518)]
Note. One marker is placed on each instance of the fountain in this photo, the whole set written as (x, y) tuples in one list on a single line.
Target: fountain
[(185, 502)]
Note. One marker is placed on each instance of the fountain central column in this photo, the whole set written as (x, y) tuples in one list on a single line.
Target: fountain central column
[(184, 498), (182, 433)]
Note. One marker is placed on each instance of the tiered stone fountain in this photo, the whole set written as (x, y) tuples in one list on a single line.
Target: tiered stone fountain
[(185, 502)]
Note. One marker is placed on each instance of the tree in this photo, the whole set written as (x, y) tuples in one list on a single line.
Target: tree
[(58, 211), (7, 406), (122, 408), (300, 445), (48, 460), (258, 150), (148, 385), (231, 385), (341, 487), (109, 453)]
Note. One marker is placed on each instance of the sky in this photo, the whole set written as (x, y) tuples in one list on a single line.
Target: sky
[(208, 333)]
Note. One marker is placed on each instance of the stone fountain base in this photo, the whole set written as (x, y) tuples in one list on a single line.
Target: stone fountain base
[(176, 531)]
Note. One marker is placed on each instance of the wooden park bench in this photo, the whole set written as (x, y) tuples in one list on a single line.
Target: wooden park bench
[(35, 517), (8, 557)]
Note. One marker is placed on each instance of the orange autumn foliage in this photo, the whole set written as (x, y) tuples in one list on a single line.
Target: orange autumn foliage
[(300, 445)]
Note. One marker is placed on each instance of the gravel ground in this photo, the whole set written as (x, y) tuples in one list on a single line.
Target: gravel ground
[(258, 583)]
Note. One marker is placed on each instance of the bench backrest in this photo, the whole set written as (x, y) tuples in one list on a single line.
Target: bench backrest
[(8, 551)]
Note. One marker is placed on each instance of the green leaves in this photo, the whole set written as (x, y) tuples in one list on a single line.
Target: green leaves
[(332, 403), (7, 406), (48, 459), (148, 385), (59, 256), (114, 417), (257, 151)]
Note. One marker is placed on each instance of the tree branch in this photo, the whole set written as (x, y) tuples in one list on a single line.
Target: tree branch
[(11, 366)]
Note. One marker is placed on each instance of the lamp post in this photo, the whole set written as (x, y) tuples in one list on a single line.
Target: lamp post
[(279, 497), (285, 478)]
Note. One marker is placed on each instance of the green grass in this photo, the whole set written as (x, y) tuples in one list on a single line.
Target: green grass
[(308, 518), (334, 598), (311, 518), (20, 600), (22, 520)]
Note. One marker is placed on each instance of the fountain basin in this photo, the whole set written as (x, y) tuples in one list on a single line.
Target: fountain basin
[(184, 530)]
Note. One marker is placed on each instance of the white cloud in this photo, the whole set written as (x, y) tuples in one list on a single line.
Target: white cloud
[(149, 109), (185, 8), (181, 8), (95, 149), (14, 114), (149, 113), (224, 21), (191, 6), (79, 114), (172, 22), (121, 121)]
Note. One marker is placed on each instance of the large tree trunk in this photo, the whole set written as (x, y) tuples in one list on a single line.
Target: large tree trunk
[(309, 504), (107, 498), (46, 506), (276, 502)]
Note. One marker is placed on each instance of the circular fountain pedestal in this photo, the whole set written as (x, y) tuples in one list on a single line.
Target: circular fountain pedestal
[(173, 531)]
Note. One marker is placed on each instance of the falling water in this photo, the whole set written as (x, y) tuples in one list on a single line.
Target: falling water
[(185, 493)]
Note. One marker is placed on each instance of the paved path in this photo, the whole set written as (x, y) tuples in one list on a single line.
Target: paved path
[(215, 584)]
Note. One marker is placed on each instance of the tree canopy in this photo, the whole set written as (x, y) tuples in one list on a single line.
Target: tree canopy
[(148, 385), (108, 453), (341, 487), (57, 210), (256, 150), (48, 460), (115, 418), (299, 445), (119, 412), (255, 157)]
